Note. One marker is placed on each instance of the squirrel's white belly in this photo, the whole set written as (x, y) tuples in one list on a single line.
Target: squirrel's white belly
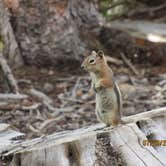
[(106, 105)]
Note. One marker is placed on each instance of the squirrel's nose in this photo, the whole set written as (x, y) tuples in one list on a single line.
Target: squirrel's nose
[(83, 66)]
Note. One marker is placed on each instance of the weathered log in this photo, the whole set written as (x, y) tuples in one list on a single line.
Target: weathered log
[(154, 130), (149, 114), (94, 145), (7, 136), (154, 32)]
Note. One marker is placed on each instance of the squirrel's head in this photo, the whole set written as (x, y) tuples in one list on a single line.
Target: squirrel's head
[(94, 62)]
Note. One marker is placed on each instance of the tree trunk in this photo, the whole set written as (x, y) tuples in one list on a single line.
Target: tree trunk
[(7, 38), (52, 31)]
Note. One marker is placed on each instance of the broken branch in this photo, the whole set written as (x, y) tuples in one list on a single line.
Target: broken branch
[(129, 64), (8, 74)]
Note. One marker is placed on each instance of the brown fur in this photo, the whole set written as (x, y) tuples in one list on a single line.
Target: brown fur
[(107, 92)]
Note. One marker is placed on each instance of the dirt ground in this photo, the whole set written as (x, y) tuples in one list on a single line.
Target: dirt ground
[(74, 101)]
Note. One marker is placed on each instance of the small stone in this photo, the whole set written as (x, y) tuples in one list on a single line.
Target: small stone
[(48, 87)]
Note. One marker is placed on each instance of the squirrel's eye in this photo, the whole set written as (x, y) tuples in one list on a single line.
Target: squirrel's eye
[(91, 61)]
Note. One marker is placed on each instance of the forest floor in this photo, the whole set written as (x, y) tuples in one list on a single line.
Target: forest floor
[(74, 101)]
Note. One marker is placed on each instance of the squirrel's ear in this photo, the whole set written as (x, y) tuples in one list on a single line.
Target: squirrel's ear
[(93, 52), (100, 53)]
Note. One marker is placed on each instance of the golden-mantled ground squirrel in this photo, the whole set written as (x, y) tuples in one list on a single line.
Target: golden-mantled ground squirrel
[(108, 96)]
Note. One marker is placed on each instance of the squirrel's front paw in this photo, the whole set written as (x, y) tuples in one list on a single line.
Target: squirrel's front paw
[(97, 86)]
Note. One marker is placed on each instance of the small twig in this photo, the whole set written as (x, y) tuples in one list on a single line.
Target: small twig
[(150, 101), (12, 96), (31, 107), (68, 109), (50, 107), (48, 121), (18, 106), (24, 81), (71, 79), (8, 74), (33, 129), (114, 60), (45, 100), (162, 82), (39, 116), (129, 64), (43, 97), (75, 87), (70, 99), (65, 110)]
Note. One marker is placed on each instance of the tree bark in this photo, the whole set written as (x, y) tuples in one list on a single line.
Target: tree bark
[(7, 37), (50, 32)]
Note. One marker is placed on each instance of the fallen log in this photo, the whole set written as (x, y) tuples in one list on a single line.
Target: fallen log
[(154, 32), (95, 145)]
